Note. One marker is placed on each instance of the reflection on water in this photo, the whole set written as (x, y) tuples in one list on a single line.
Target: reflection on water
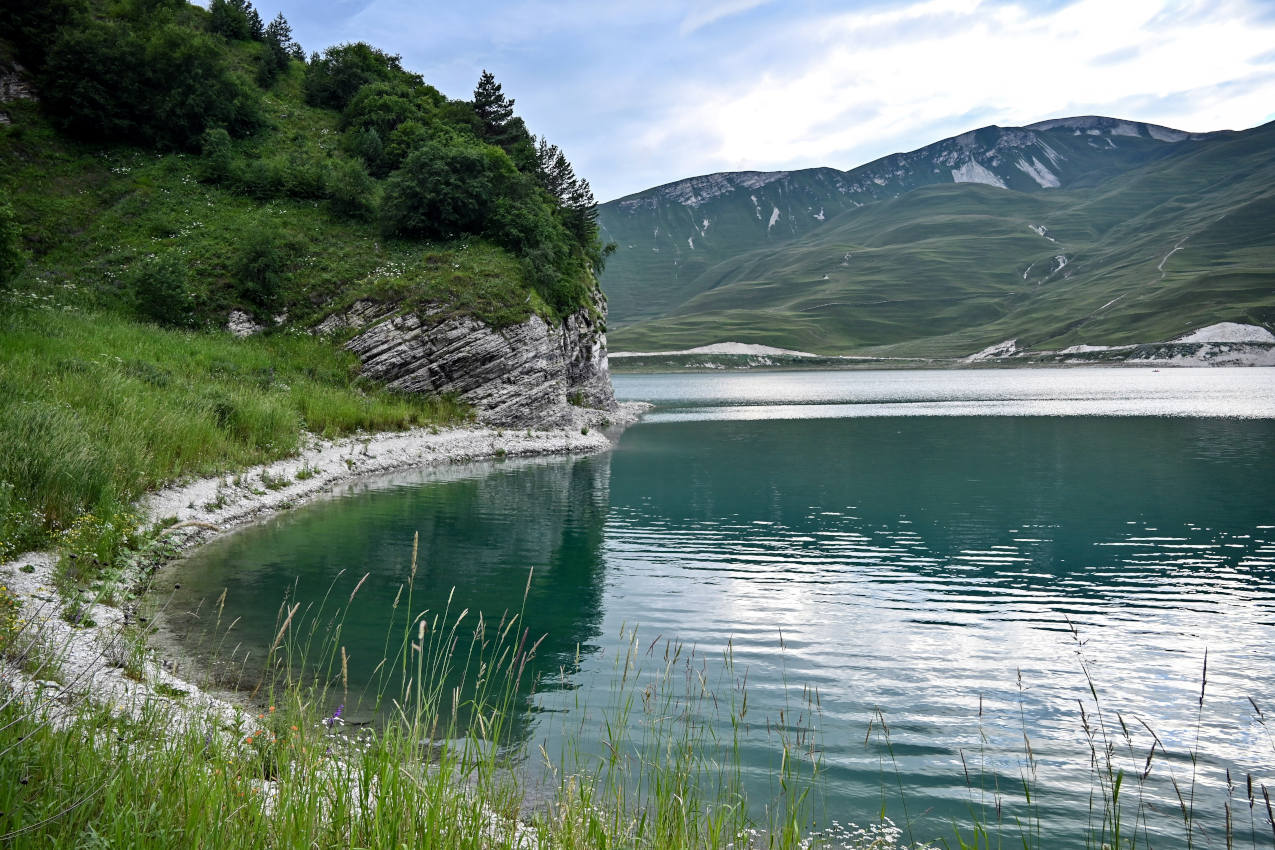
[(929, 567), (482, 528), (919, 564)]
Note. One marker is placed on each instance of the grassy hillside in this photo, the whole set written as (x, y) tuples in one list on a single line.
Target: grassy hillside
[(178, 163), (668, 236), (949, 269)]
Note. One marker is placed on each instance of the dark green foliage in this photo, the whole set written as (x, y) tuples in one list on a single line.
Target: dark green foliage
[(333, 79), (443, 190), (460, 115), (162, 292), (498, 125), (11, 259), (32, 27), (406, 138), (217, 158), (164, 86), (374, 118), (260, 265), (366, 144), (373, 142), (493, 109), (383, 106), (280, 50), (574, 195), (352, 190), (235, 19)]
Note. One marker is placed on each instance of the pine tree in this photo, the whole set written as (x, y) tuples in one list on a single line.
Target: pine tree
[(492, 107)]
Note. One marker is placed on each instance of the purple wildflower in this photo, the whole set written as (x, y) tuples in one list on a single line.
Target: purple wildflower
[(336, 716)]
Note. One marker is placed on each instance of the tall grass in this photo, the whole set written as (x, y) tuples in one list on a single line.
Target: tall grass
[(96, 409), (431, 756)]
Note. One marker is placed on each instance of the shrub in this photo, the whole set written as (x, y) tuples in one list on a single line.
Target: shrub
[(334, 78), (217, 157), (95, 542), (234, 19), (261, 265), (444, 189), (162, 86), (383, 106), (11, 256), (352, 190), (162, 294)]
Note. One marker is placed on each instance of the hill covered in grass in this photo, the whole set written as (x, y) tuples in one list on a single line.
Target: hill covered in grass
[(1091, 230), (177, 162), (167, 167)]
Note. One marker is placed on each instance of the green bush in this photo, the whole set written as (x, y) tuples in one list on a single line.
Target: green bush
[(162, 292), (234, 19), (11, 255), (95, 541), (164, 86), (334, 78), (217, 157), (352, 190), (261, 264), (445, 189), (33, 27)]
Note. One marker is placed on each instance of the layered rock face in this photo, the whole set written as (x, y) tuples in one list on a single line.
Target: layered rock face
[(524, 375)]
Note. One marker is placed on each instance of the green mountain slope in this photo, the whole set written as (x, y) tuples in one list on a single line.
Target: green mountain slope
[(948, 268)]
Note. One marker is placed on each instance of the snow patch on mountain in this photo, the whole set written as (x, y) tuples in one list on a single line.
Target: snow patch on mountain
[(1042, 175), (774, 217), (721, 348), (756, 206), (1086, 349), (690, 240), (972, 172), (819, 216), (1008, 348), (1041, 230), (1229, 332)]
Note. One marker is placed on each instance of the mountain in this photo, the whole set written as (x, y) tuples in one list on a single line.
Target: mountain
[(996, 233)]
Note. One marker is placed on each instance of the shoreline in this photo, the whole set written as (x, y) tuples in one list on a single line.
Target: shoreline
[(93, 661)]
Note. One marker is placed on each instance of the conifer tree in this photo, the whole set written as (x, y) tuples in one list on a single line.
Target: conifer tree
[(494, 110)]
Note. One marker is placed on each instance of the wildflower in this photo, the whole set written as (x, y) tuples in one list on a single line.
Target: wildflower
[(336, 716)]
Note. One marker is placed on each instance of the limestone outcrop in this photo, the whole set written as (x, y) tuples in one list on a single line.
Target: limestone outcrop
[(533, 373)]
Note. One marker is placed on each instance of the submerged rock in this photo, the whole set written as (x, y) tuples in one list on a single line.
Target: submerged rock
[(528, 374)]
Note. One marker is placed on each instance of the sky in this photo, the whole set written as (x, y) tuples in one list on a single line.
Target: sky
[(638, 94)]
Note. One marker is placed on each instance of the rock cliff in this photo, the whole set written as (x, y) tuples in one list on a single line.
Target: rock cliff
[(534, 373)]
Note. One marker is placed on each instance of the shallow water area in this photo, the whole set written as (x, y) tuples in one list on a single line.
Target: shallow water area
[(913, 547)]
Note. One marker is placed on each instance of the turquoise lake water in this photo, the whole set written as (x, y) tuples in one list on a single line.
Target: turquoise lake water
[(913, 546)]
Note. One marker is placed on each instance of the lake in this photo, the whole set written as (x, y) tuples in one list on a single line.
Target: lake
[(962, 557)]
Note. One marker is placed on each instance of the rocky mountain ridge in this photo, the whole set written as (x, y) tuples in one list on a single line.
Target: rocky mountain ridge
[(670, 235)]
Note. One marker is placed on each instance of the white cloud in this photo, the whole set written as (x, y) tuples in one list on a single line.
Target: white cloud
[(703, 14), (844, 84)]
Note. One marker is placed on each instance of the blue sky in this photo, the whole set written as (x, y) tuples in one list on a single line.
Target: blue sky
[(643, 93)]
